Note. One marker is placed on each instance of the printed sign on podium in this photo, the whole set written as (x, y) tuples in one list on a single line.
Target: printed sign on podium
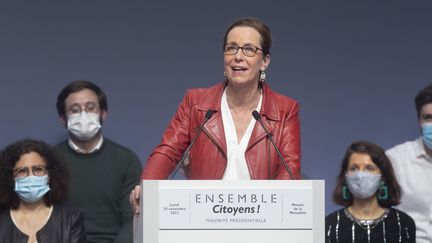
[(229, 211)]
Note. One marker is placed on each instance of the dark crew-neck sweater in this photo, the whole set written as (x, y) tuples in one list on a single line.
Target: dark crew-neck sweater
[(100, 184)]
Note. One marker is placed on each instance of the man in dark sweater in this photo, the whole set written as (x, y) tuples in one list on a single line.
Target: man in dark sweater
[(102, 172)]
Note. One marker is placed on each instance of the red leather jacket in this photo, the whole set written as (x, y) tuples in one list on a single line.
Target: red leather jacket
[(207, 158)]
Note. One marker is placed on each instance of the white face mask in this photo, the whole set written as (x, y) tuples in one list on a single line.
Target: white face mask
[(84, 126), (363, 185)]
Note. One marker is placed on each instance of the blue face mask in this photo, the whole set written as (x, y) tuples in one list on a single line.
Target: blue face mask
[(427, 134), (31, 188)]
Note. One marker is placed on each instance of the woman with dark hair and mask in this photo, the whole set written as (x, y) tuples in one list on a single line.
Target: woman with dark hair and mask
[(33, 182), (368, 189)]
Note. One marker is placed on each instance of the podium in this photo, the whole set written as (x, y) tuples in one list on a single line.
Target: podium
[(214, 211)]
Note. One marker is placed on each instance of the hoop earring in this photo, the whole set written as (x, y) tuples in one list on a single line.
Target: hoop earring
[(262, 77), (346, 195), (383, 191)]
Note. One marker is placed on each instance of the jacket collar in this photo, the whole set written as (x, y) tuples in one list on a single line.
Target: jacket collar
[(214, 126), (213, 101), (269, 106)]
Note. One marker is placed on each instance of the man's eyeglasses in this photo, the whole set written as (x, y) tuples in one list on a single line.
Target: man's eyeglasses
[(38, 170), (248, 50), (90, 107)]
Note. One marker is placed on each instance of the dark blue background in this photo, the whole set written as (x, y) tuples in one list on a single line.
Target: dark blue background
[(355, 66)]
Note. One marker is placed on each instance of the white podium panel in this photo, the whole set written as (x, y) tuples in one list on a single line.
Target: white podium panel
[(210, 211)]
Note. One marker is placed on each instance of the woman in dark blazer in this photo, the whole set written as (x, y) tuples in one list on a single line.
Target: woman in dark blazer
[(33, 183)]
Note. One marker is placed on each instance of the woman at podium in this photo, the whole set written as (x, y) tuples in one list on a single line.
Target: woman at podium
[(368, 190), (232, 144), (215, 135)]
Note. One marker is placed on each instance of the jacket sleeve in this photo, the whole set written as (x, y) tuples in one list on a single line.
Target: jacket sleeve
[(174, 141), (77, 231), (410, 228), (130, 178), (290, 144)]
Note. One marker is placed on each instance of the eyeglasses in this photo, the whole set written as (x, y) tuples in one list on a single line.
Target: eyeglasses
[(38, 170), (248, 51), (90, 107)]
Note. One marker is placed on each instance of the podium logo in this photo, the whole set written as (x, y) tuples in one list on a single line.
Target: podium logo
[(236, 203), (235, 198)]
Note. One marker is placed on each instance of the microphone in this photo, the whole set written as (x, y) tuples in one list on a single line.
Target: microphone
[(207, 117), (257, 117)]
